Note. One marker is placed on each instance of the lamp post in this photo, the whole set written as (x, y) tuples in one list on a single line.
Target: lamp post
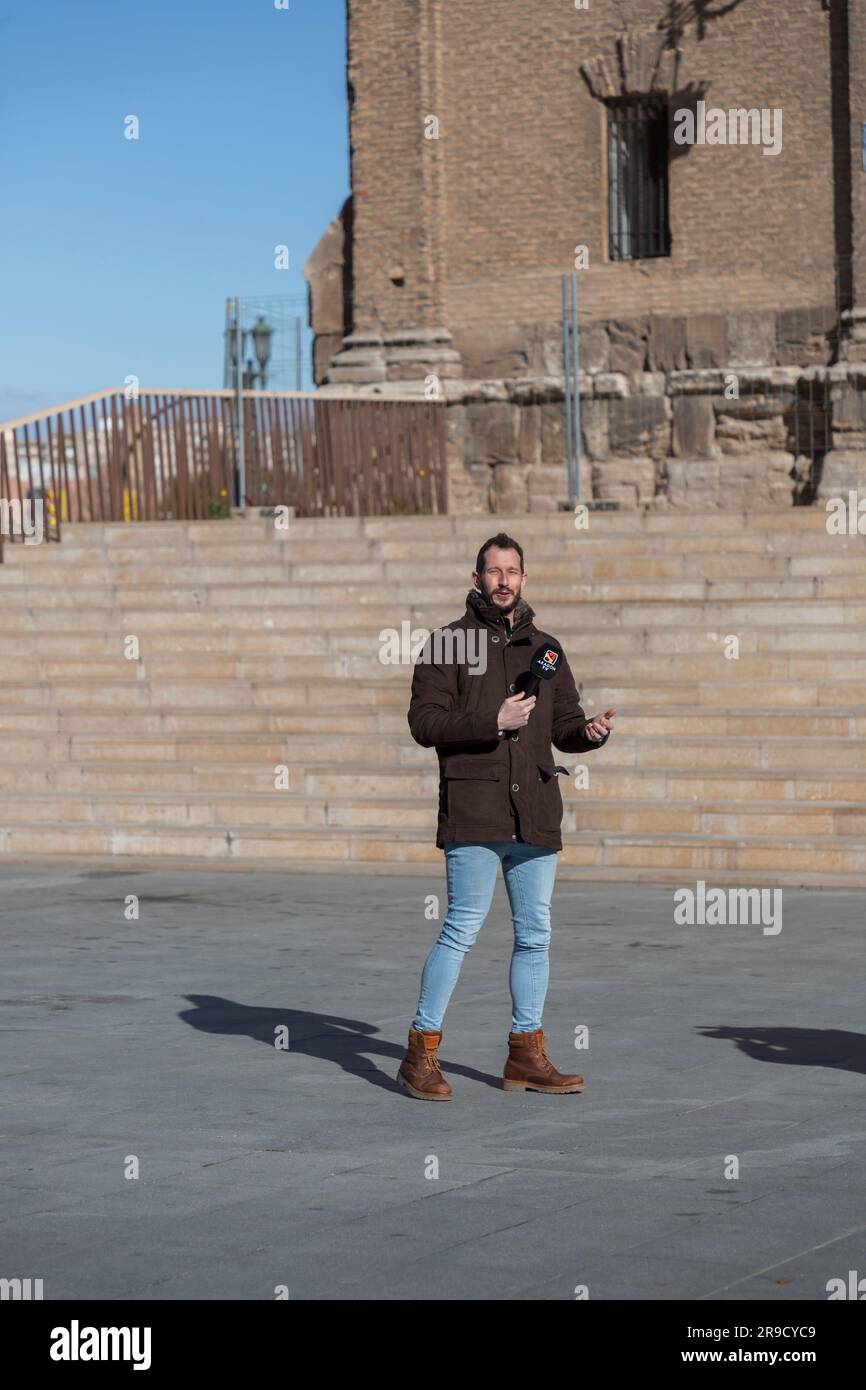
[(237, 361), (244, 376), (261, 333)]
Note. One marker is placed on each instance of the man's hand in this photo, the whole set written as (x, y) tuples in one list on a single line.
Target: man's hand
[(514, 712), (600, 725)]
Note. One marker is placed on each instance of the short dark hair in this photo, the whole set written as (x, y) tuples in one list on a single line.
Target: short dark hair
[(504, 543)]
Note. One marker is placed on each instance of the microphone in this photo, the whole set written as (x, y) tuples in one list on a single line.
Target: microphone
[(545, 663)]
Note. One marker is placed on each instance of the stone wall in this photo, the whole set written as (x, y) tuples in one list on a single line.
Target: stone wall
[(692, 439)]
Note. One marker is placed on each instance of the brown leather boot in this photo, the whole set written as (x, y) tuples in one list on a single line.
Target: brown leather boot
[(420, 1073), (530, 1069)]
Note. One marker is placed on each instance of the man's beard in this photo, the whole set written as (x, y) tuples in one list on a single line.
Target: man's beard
[(502, 606)]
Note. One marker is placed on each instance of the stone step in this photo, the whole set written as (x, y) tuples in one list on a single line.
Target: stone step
[(285, 810), (287, 548), (561, 619), (635, 545), (262, 649), (781, 521), (668, 856), (267, 563), (409, 783), (614, 567), (676, 751), (327, 719), (29, 578), (748, 697), (58, 636), (140, 691), (246, 550), (188, 592), (339, 660)]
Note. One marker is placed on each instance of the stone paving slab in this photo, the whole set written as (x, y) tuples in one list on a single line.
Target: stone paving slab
[(310, 1167)]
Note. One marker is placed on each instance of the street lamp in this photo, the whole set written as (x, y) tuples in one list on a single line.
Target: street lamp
[(261, 333)]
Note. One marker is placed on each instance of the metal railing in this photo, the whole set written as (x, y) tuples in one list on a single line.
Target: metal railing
[(173, 455)]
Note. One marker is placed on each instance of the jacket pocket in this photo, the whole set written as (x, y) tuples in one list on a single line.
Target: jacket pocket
[(474, 798), (548, 770), (469, 768), (549, 800)]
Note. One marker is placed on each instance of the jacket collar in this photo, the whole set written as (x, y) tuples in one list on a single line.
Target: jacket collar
[(487, 613)]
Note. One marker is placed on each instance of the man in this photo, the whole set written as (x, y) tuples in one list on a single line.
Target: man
[(499, 803)]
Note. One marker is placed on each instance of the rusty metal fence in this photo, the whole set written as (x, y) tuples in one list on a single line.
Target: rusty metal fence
[(173, 455)]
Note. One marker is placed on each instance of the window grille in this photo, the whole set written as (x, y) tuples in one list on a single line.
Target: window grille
[(637, 153)]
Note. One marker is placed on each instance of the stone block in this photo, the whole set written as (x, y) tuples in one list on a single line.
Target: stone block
[(694, 427), (849, 408), (737, 434), (751, 340), (737, 481), (610, 384), (667, 344), (455, 433), (595, 440), (803, 334), (593, 353), (707, 341), (510, 488), (492, 432), (629, 481), (529, 443), (763, 477), (755, 402), (470, 488), (547, 486), (553, 445), (704, 382), (844, 471), (639, 425), (693, 483), (652, 384), (500, 352), (594, 349), (628, 346)]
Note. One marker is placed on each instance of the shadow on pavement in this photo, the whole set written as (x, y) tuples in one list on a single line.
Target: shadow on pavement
[(346, 1041)]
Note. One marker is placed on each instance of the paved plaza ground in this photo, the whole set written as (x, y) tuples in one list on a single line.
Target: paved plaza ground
[(151, 1042)]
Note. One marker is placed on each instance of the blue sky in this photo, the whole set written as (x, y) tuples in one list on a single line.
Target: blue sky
[(116, 255)]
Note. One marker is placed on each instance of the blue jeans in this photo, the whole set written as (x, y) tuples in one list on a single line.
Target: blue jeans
[(471, 869)]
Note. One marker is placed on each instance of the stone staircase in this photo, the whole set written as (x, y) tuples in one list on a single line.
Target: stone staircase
[(745, 771)]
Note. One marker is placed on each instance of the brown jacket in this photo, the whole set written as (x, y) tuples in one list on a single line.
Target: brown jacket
[(494, 787)]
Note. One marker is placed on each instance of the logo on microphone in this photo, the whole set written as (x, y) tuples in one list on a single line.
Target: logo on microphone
[(549, 660)]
